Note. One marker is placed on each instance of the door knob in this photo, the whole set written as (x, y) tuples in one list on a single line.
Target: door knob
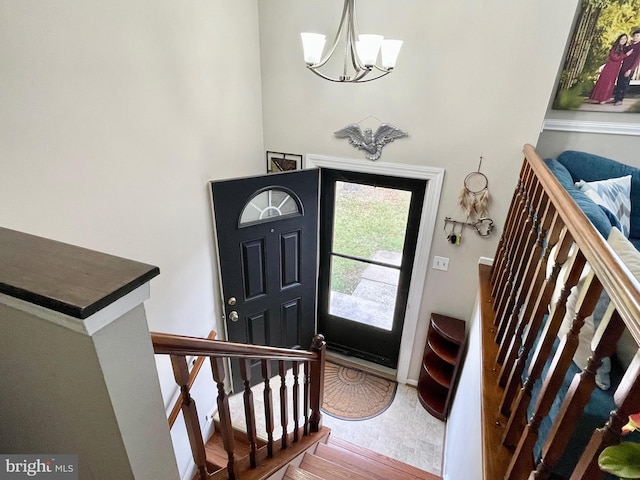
[(232, 301), (233, 316)]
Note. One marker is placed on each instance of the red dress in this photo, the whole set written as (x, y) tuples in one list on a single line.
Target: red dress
[(607, 79)]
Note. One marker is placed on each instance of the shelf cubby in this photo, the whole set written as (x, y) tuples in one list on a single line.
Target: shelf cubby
[(440, 362)]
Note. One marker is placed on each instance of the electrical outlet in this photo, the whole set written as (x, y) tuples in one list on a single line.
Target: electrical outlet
[(441, 263)]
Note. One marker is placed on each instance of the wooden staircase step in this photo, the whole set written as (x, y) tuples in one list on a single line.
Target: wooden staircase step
[(328, 470), (374, 465), (217, 455), (295, 473), (268, 466)]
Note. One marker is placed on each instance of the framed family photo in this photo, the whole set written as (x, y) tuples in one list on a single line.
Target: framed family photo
[(601, 70), (283, 162)]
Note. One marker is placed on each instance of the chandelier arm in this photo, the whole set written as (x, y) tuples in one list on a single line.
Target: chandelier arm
[(358, 66), (373, 78), (347, 47), (349, 21), (360, 74), (327, 56), (356, 79), (383, 69), (322, 75)]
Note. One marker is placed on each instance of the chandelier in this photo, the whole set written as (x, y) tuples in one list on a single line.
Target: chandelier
[(360, 51)]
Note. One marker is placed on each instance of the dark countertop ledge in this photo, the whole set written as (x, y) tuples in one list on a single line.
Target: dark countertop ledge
[(65, 278)]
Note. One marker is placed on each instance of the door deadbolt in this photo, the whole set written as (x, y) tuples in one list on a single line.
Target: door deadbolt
[(233, 316), (232, 301)]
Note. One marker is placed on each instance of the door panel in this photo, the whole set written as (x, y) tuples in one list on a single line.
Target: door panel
[(290, 258), (253, 265), (266, 231)]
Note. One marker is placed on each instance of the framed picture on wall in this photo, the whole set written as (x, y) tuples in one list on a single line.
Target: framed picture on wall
[(601, 70), (283, 162)]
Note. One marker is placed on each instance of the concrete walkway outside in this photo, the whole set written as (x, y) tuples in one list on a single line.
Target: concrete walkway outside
[(374, 298)]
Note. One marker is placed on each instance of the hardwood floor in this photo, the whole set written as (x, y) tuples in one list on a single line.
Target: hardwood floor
[(405, 432)]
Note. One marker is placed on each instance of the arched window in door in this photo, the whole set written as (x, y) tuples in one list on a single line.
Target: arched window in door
[(267, 205)]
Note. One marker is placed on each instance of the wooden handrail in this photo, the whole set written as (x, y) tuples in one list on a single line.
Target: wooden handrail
[(168, 344), (520, 328), (175, 411), (178, 347), (622, 287)]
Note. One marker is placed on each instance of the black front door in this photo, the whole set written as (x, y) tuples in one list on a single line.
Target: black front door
[(266, 232), (368, 233)]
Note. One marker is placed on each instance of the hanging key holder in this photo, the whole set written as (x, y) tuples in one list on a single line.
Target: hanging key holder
[(483, 227), (453, 237), (474, 203)]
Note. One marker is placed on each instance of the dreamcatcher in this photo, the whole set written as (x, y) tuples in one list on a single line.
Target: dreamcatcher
[(474, 196), (474, 202)]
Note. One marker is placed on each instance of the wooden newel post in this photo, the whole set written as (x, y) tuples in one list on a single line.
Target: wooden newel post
[(317, 381)]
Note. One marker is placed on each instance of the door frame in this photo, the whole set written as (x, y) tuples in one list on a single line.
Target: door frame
[(435, 178)]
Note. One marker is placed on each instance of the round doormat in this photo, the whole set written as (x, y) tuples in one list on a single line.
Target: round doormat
[(351, 394)]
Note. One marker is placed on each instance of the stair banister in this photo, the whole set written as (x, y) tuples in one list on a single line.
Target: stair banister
[(181, 374), (197, 365), (179, 347), (510, 417), (168, 344)]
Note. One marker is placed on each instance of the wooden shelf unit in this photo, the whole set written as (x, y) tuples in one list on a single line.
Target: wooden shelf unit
[(440, 362)]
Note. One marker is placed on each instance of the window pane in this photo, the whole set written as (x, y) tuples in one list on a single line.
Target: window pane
[(268, 205), (369, 220), (362, 292)]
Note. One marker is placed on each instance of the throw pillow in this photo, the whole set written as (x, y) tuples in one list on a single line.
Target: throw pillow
[(612, 217), (613, 194), (626, 347), (594, 213), (562, 276), (626, 251), (583, 351)]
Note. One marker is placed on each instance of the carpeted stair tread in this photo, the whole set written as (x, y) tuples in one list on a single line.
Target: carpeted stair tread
[(328, 470), (295, 473), (374, 465)]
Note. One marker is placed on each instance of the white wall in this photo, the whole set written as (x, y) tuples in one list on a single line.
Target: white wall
[(464, 422), (473, 78), (113, 117), (623, 148)]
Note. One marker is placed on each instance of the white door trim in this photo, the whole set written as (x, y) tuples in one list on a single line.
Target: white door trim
[(434, 177)]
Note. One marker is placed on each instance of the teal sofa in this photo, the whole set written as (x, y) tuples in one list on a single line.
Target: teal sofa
[(572, 166)]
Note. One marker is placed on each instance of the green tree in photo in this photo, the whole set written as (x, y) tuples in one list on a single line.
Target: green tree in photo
[(614, 20), (598, 24)]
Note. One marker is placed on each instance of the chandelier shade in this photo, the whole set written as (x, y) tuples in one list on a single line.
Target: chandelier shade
[(390, 49), (313, 44), (361, 51)]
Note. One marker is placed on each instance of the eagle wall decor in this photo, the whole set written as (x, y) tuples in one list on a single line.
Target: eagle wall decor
[(368, 141)]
